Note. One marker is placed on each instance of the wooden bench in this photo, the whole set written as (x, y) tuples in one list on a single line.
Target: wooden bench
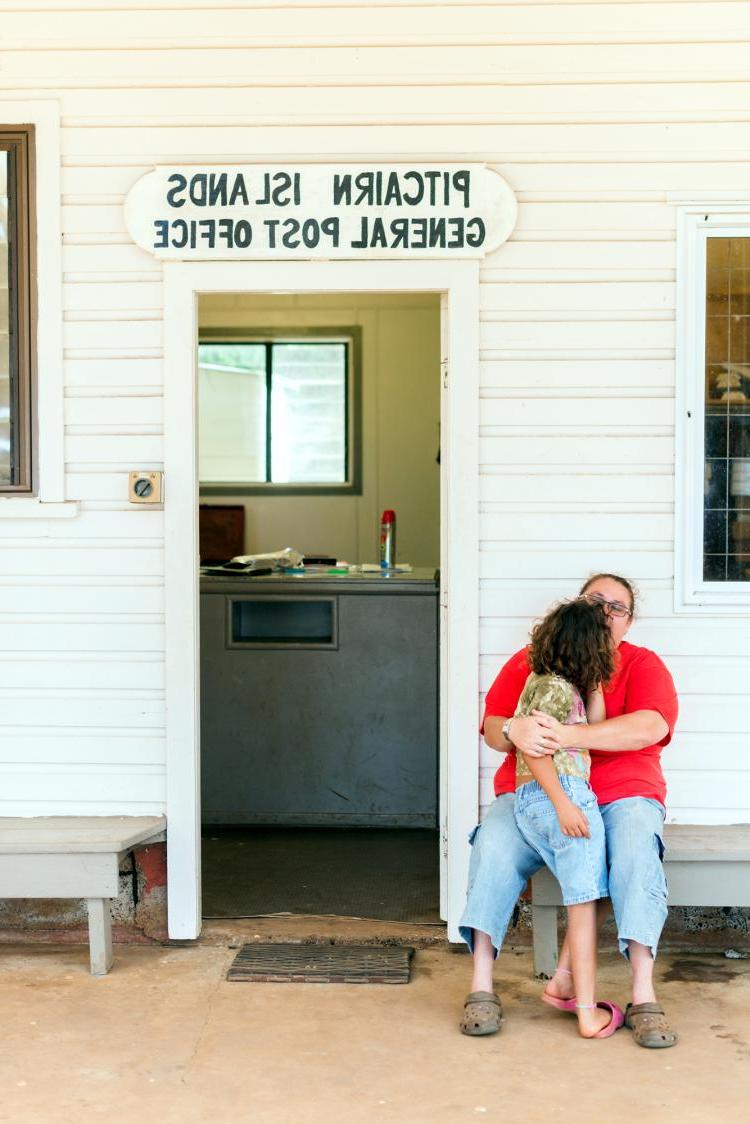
[(73, 857), (705, 866)]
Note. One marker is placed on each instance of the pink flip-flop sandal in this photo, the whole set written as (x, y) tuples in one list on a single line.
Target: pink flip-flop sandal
[(555, 1001), (617, 1020), (560, 1004)]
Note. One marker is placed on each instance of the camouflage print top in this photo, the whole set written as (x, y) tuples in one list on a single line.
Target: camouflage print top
[(560, 699)]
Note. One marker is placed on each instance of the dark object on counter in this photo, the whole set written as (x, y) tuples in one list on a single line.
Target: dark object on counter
[(318, 560), (221, 531), (246, 569)]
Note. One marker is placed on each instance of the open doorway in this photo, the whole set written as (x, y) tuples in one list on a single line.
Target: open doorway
[(457, 282), (319, 685)]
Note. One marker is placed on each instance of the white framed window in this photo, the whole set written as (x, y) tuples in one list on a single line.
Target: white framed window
[(712, 533)]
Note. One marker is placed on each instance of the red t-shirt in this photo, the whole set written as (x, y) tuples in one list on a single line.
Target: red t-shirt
[(641, 682)]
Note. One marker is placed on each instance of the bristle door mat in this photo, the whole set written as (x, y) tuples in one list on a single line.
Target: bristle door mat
[(321, 963)]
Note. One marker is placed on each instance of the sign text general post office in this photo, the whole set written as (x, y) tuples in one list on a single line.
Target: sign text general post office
[(320, 211)]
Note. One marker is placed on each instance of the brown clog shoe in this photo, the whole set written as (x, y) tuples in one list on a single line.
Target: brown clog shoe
[(483, 1013), (649, 1025)]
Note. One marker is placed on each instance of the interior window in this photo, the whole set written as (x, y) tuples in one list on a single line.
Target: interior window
[(275, 413), (726, 523), (232, 411)]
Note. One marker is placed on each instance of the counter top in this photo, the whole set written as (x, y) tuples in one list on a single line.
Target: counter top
[(422, 580)]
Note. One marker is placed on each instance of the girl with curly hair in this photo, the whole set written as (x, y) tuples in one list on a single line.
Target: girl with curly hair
[(570, 655)]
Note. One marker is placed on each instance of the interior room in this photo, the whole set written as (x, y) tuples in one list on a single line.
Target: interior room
[(318, 414)]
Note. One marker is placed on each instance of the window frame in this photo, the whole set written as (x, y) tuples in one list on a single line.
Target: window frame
[(350, 335), (696, 223), (18, 141), (49, 500)]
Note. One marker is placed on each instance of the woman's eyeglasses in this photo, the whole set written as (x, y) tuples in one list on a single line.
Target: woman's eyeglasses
[(612, 608)]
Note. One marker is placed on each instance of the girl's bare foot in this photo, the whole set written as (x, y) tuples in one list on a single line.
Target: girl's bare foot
[(592, 1019), (561, 984)]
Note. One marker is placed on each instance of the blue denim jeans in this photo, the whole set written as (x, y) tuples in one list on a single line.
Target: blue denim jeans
[(579, 863), (502, 862)]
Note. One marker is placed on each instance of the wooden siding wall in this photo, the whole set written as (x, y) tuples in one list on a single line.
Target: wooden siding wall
[(593, 112)]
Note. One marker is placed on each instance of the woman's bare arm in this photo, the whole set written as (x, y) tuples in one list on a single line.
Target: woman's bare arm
[(616, 735)]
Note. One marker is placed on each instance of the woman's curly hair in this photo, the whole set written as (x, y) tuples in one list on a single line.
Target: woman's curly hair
[(574, 642)]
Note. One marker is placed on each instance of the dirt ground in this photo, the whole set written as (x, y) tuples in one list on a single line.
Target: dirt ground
[(165, 1036)]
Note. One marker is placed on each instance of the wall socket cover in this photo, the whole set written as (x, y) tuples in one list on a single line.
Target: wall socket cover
[(146, 487)]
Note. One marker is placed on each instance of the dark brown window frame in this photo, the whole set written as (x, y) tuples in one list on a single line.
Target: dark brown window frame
[(18, 141)]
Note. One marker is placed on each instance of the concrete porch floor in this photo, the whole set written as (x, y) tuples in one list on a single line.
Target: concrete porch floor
[(165, 1036)]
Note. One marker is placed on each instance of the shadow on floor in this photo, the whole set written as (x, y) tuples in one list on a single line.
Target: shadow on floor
[(387, 874)]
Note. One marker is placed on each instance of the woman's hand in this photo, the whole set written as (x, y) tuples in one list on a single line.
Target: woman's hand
[(573, 821), (529, 736), (552, 733)]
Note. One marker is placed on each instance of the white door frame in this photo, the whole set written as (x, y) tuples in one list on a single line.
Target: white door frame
[(458, 282)]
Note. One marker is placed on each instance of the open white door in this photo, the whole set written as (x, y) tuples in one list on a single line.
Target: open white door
[(458, 282), (443, 818), (459, 587)]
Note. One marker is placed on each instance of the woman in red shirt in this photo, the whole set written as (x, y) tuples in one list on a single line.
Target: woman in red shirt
[(626, 775)]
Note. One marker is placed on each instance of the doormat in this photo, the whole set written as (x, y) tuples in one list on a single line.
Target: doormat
[(321, 963)]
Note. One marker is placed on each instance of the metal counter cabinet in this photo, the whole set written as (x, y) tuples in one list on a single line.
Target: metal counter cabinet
[(319, 701)]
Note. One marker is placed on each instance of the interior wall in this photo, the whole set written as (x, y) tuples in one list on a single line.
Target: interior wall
[(400, 426)]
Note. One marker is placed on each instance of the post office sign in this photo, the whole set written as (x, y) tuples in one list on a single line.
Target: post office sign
[(321, 211)]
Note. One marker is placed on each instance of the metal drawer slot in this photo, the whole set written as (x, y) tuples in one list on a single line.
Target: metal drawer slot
[(282, 622)]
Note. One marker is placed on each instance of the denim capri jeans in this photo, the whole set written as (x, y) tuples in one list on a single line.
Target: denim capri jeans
[(502, 862)]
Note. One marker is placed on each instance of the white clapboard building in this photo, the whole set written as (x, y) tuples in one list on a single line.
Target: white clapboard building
[(561, 189)]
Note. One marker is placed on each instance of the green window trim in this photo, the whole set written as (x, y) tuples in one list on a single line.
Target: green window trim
[(268, 338)]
